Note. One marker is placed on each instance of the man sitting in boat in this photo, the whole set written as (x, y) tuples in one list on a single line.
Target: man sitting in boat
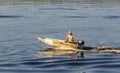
[(70, 38)]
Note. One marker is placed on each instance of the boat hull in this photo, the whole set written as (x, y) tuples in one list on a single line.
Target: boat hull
[(57, 43)]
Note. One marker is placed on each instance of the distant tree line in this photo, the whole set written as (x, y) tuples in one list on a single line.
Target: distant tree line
[(63, 1), (87, 1)]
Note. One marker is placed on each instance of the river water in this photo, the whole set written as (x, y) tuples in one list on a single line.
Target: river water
[(21, 22)]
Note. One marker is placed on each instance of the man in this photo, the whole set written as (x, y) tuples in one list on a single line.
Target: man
[(70, 38)]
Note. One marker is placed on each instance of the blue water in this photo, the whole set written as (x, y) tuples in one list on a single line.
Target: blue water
[(21, 25)]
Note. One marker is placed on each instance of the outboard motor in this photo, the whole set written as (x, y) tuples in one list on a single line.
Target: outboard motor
[(81, 42)]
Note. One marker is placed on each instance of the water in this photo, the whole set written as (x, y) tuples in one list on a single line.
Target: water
[(22, 22)]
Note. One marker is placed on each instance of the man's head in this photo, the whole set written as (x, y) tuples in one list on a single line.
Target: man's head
[(70, 32)]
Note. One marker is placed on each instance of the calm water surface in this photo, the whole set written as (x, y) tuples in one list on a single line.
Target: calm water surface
[(20, 25)]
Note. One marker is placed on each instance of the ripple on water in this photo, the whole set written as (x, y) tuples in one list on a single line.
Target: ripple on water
[(58, 64), (75, 17), (10, 16), (111, 17), (56, 8)]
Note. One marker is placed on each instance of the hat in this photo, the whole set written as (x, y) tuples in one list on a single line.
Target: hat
[(69, 31)]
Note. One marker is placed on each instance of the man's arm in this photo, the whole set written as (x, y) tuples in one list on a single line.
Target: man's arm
[(66, 39)]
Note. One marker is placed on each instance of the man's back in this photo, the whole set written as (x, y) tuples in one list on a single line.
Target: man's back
[(70, 38)]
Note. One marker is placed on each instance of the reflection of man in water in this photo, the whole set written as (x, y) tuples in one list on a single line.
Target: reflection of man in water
[(70, 38), (76, 55)]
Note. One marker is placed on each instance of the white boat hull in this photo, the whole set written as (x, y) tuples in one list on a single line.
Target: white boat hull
[(59, 44)]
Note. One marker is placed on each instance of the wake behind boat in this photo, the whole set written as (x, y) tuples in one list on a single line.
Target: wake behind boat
[(61, 45)]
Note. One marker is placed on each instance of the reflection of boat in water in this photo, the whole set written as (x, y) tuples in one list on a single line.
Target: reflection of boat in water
[(52, 51), (58, 52), (64, 47)]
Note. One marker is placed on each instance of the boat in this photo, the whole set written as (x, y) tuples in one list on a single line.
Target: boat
[(58, 44)]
